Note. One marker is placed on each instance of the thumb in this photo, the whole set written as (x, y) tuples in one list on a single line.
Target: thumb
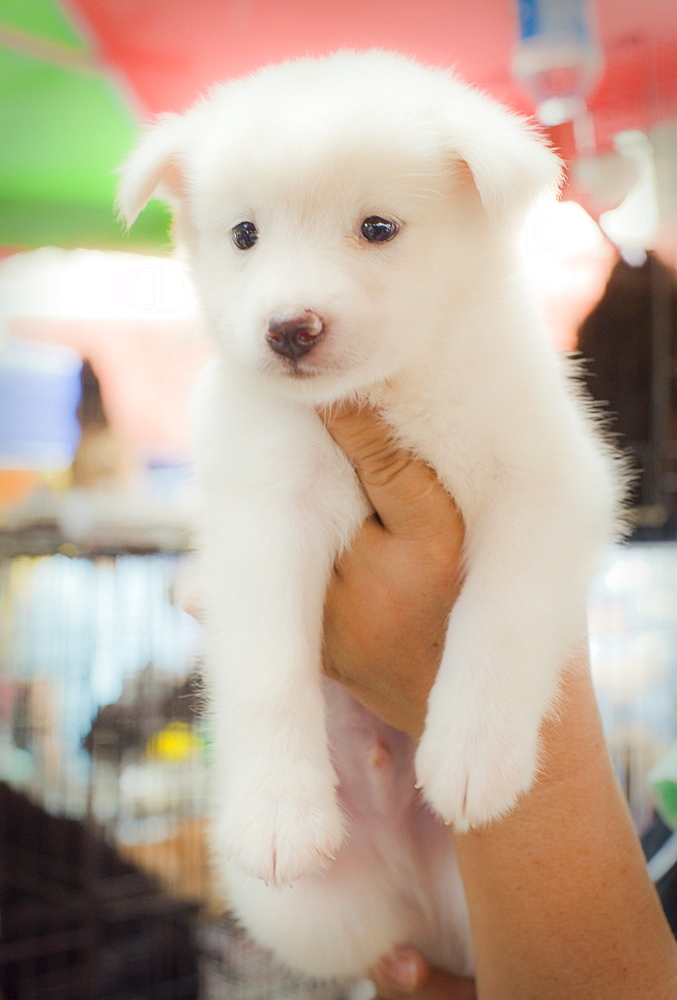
[(405, 972), (404, 491)]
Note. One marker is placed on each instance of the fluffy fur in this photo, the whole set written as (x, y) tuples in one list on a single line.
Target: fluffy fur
[(435, 328)]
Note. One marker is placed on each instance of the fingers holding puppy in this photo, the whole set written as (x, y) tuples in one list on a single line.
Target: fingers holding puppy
[(410, 501), (388, 603)]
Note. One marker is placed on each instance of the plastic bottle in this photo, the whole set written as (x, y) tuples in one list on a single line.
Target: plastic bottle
[(557, 58)]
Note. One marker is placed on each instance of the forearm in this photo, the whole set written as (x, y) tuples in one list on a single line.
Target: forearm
[(560, 903)]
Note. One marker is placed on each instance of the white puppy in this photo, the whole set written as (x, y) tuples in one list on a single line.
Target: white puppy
[(351, 225)]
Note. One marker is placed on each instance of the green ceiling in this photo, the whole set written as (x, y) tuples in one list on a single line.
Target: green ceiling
[(64, 129)]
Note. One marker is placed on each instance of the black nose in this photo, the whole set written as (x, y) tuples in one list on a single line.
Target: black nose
[(294, 336)]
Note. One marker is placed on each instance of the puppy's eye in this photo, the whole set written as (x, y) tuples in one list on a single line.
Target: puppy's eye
[(378, 230), (245, 235)]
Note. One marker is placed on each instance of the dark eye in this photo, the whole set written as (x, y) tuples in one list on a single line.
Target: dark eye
[(378, 230), (245, 235)]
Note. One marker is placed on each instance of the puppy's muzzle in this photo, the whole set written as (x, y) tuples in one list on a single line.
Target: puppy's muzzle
[(293, 336)]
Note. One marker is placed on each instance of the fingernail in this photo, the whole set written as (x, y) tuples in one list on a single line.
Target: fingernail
[(400, 970)]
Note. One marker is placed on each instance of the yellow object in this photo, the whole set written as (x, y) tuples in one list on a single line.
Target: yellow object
[(176, 742)]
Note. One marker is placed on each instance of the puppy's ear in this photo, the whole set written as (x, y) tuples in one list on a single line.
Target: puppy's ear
[(153, 168), (511, 164)]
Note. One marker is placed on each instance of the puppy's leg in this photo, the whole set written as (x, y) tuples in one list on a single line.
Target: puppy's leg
[(520, 612), (276, 809), (280, 501)]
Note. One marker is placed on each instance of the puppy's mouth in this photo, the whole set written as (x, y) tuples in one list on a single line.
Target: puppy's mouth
[(297, 370)]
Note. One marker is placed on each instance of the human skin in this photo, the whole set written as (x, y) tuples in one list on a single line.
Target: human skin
[(560, 903)]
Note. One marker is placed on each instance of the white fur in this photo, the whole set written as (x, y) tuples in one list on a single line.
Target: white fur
[(436, 330)]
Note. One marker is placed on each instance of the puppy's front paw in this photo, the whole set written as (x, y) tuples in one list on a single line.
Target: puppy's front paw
[(280, 836), (473, 772)]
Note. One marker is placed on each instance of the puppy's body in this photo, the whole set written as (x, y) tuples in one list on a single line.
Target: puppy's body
[(383, 200)]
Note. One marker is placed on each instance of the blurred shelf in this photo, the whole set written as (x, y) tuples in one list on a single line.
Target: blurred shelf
[(80, 524)]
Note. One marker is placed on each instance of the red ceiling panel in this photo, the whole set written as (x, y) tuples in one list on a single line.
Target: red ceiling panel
[(167, 52)]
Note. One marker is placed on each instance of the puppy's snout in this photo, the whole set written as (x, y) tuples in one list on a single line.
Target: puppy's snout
[(294, 336)]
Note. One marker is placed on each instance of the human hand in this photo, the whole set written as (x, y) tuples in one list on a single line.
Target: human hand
[(389, 600), (405, 972)]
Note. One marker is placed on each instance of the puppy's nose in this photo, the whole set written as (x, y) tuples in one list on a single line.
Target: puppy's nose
[(294, 336)]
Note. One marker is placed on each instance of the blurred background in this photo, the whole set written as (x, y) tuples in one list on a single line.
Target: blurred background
[(105, 889)]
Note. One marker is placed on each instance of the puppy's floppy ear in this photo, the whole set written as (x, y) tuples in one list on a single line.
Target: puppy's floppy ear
[(511, 163), (153, 168)]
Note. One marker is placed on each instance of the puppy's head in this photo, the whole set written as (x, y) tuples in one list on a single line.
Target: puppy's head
[(340, 213)]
